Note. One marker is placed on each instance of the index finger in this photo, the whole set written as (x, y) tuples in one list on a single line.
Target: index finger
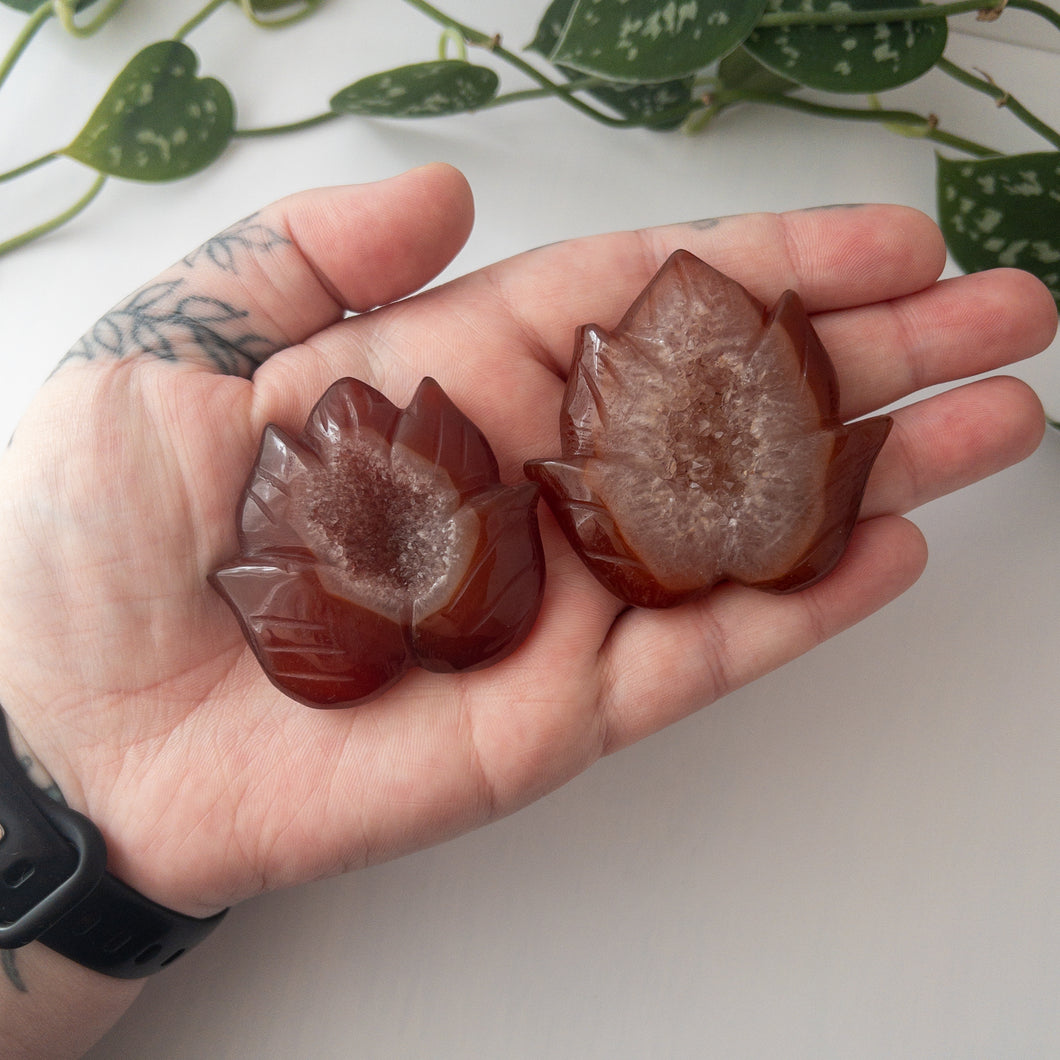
[(835, 257)]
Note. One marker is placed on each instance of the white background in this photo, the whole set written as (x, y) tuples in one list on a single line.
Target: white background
[(856, 856)]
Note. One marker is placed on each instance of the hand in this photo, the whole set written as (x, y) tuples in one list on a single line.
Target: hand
[(129, 676)]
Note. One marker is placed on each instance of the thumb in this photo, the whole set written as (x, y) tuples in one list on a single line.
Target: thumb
[(279, 276)]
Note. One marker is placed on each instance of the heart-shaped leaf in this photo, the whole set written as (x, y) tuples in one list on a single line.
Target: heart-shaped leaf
[(1003, 212), (652, 40), (421, 90), (158, 120), (868, 57), (662, 104)]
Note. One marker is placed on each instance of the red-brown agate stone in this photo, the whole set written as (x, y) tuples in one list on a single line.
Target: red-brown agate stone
[(378, 540), (701, 441)]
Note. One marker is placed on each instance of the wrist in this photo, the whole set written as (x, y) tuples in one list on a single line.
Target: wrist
[(72, 776), (55, 887), (50, 1006)]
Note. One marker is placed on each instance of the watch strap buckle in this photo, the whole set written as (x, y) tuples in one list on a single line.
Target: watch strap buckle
[(31, 862)]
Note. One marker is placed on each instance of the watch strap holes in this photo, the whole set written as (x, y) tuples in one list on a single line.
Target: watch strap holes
[(17, 873), (148, 954), (117, 942)]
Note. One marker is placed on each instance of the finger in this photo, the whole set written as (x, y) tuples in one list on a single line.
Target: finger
[(659, 666), (834, 258), (275, 278), (950, 330), (533, 303), (951, 440)]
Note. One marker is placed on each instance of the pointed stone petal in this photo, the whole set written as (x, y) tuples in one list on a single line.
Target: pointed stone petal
[(347, 408), (498, 599), (437, 430), (688, 289), (593, 388), (586, 520), (315, 647), (789, 333), (857, 447), (266, 523)]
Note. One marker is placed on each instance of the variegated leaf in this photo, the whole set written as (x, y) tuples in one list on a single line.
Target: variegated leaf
[(1003, 211), (868, 57)]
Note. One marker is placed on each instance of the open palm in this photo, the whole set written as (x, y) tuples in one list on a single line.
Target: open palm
[(129, 676)]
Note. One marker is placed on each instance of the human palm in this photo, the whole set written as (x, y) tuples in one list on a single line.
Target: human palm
[(128, 675)]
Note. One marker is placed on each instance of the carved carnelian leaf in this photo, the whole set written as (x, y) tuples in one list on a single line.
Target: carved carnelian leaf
[(380, 539), (702, 441)]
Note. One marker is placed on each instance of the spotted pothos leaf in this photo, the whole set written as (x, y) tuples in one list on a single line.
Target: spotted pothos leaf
[(158, 120), (662, 104), (421, 90), (868, 57), (1003, 211), (652, 40)]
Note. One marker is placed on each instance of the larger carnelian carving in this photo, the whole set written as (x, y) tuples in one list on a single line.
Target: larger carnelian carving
[(378, 540), (702, 441)]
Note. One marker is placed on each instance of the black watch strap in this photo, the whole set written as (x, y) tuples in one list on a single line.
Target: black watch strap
[(54, 887)]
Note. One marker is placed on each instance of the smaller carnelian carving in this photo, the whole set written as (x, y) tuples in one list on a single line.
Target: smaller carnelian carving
[(378, 540), (702, 441)]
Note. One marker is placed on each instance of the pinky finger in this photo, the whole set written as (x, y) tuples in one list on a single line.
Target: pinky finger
[(660, 666)]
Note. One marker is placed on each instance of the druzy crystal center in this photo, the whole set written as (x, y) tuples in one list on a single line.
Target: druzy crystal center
[(381, 518)]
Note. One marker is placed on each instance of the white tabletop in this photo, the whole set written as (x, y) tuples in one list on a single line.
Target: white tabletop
[(856, 856)]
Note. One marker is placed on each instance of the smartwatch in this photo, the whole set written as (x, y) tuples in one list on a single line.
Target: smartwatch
[(55, 888)]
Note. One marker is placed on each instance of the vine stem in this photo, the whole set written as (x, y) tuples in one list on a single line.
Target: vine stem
[(1002, 98), (1035, 8), (915, 124), (779, 19), (66, 9), (451, 36), (49, 226), (289, 127), (25, 35), (198, 19), (581, 84), (28, 167)]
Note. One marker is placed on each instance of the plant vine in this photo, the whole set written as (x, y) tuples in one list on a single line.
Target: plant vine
[(623, 63)]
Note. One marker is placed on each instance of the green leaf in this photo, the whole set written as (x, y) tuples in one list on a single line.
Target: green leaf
[(266, 13), (157, 121), (872, 57), (268, 6), (29, 6), (652, 40), (662, 105), (550, 28), (741, 71), (1003, 211), (422, 90)]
